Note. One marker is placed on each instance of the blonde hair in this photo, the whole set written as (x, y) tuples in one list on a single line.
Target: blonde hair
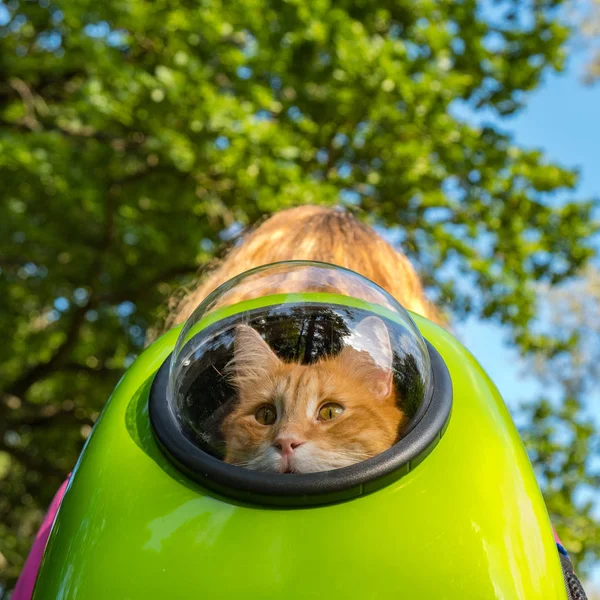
[(321, 234)]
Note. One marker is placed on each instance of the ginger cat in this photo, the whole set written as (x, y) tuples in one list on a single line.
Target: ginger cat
[(343, 409), (294, 418)]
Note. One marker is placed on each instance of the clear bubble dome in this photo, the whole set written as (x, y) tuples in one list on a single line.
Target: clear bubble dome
[(287, 314)]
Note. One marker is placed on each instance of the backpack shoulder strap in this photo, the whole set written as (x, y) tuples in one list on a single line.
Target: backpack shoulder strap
[(574, 588)]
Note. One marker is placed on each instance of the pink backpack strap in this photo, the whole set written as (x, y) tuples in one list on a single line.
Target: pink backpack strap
[(24, 588), (556, 538)]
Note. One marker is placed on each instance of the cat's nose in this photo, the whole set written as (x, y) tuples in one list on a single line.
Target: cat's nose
[(287, 445)]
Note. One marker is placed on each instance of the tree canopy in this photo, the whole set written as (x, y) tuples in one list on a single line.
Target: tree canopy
[(589, 23), (136, 137), (561, 429)]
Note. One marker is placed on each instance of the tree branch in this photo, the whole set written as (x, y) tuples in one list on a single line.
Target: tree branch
[(32, 463), (64, 417), (22, 385), (74, 367), (30, 119), (84, 132), (142, 288), (13, 263)]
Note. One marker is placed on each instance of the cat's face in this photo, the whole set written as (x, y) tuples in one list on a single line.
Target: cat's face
[(294, 418)]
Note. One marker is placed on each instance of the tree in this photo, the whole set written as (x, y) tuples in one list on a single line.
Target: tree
[(589, 22), (562, 429), (135, 137)]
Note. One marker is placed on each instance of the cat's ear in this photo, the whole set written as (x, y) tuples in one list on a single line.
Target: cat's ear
[(371, 342), (253, 359)]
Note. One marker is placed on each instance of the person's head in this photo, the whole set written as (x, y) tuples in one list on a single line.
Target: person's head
[(322, 234)]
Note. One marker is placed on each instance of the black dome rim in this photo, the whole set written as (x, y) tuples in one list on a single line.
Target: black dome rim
[(305, 488)]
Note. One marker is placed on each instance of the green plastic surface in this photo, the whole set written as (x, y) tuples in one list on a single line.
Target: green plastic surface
[(468, 522), (276, 299)]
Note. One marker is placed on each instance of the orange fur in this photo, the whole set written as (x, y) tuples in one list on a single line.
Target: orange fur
[(368, 425)]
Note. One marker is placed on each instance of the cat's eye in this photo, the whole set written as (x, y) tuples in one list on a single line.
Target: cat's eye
[(266, 414), (330, 411)]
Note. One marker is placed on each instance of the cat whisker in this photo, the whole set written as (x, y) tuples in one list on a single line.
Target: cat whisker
[(217, 370)]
